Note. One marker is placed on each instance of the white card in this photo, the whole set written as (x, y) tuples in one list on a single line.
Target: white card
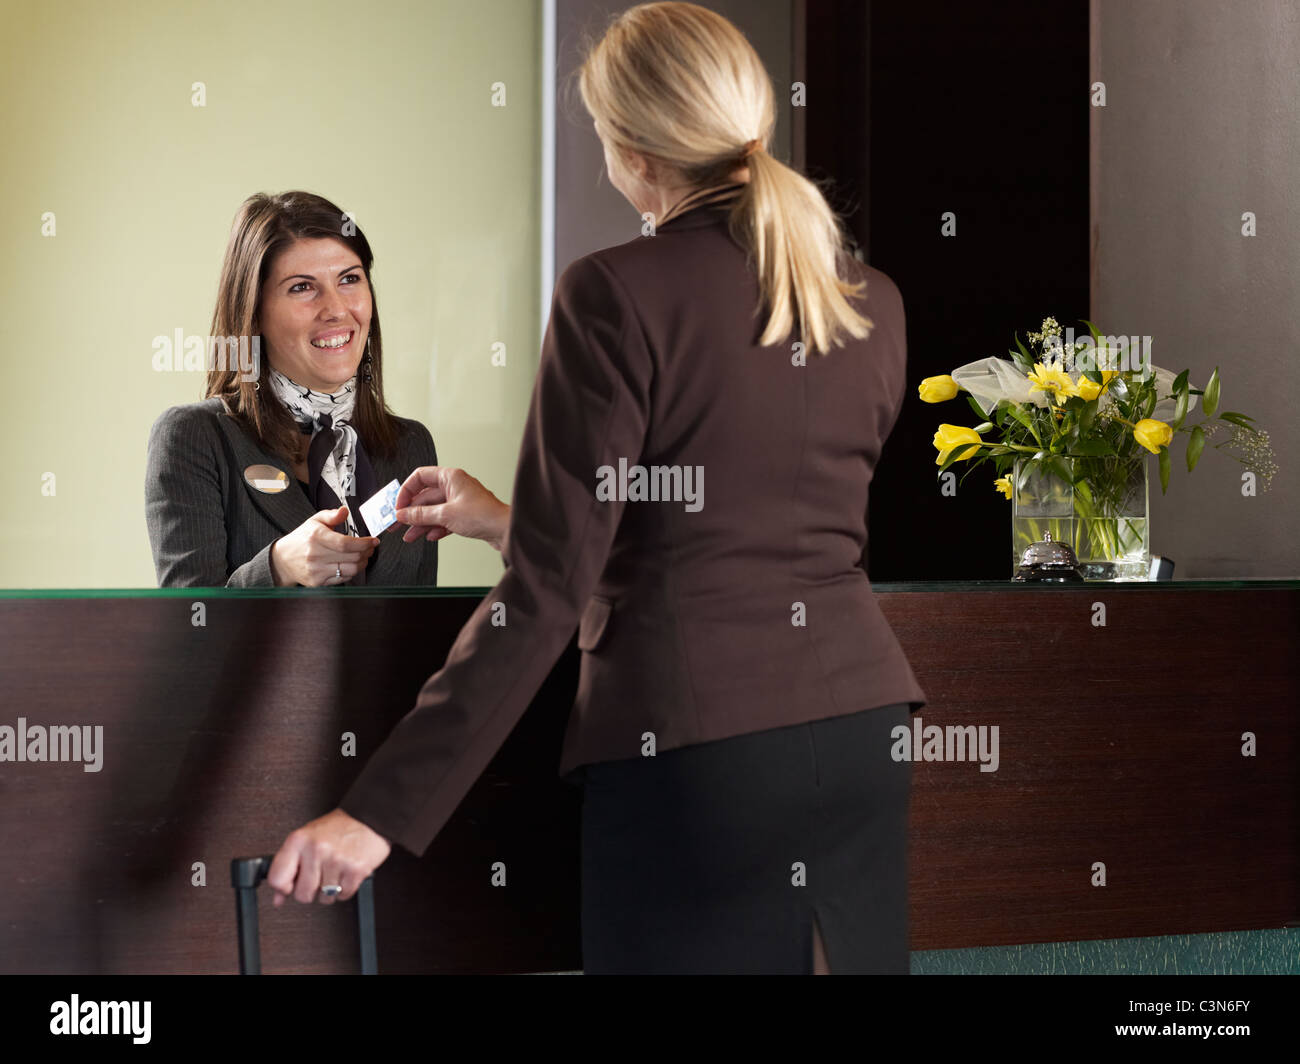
[(380, 510)]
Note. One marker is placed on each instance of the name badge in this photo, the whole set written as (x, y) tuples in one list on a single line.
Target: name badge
[(266, 479)]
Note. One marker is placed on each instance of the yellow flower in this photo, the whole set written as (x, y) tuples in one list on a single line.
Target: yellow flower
[(951, 436), (1152, 434), (1003, 484), (1089, 390), (938, 389), (1052, 379)]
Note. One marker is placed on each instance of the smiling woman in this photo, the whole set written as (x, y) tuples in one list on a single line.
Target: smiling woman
[(221, 509)]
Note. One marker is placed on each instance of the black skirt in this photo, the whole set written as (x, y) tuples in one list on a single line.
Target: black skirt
[(715, 858)]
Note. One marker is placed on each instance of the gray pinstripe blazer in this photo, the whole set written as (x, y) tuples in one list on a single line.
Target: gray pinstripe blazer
[(209, 528)]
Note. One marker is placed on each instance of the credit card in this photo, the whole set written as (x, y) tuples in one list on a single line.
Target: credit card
[(380, 510)]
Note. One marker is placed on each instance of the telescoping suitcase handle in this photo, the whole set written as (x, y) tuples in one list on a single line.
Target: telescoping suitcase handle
[(246, 873)]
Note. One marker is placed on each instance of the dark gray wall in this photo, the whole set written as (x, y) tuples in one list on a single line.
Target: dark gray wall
[(1202, 123), (589, 212)]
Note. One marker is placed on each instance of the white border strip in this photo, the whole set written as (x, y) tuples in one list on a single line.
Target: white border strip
[(548, 167)]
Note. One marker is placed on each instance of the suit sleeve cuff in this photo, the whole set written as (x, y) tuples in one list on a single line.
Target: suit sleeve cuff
[(256, 572), (389, 826)]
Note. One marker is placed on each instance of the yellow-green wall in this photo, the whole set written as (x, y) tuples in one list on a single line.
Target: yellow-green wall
[(385, 108)]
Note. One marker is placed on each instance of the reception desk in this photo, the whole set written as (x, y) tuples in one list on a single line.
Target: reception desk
[(1147, 778)]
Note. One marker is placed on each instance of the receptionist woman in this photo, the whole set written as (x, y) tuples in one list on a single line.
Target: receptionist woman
[(260, 483)]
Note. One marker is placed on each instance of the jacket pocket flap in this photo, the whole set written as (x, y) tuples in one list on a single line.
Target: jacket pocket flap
[(595, 618)]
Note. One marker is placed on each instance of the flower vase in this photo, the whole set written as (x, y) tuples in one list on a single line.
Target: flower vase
[(1096, 505)]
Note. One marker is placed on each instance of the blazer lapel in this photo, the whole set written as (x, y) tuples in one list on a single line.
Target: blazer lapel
[(394, 564), (285, 509)]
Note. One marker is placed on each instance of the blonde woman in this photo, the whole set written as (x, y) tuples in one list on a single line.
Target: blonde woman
[(739, 684)]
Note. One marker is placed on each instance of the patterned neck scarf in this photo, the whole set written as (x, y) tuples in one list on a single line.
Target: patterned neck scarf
[(318, 412)]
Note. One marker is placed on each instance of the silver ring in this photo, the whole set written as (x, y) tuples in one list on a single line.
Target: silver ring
[(338, 571), (332, 890)]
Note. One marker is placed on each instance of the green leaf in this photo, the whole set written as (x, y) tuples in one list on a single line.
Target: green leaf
[(1087, 416), (1210, 400), (1093, 448), (952, 458), (1058, 469), (972, 464), (1022, 358), (1092, 329), (1026, 469), (976, 407), (1194, 447), (1180, 411), (1237, 419), (1164, 470), (1180, 382), (1145, 401), (1017, 412)]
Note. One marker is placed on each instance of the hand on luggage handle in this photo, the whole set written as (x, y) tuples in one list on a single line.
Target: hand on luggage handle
[(246, 873)]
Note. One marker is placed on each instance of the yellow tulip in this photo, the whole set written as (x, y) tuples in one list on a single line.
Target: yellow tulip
[(1089, 390), (1152, 434), (950, 437), (1052, 379), (1003, 484), (938, 389)]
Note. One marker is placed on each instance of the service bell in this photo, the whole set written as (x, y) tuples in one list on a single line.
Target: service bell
[(1049, 561)]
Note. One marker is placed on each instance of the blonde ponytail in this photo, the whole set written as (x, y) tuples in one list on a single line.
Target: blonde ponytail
[(797, 245), (681, 84)]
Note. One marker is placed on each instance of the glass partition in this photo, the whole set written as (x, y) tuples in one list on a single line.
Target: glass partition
[(134, 133)]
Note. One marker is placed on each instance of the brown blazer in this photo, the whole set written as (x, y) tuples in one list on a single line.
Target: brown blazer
[(751, 611)]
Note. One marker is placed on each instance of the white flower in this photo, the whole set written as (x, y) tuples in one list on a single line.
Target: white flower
[(990, 380)]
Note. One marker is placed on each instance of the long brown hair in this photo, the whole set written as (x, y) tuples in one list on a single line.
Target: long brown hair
[(263, 227), (681, 84)]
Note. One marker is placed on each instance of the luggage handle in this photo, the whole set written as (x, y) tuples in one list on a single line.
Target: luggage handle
[(246, 873)]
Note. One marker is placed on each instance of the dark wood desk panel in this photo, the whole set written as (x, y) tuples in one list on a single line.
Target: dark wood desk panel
[(1118, 744), (218, 742)]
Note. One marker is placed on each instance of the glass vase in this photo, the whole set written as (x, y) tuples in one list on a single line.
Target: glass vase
[(1096, 505)]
